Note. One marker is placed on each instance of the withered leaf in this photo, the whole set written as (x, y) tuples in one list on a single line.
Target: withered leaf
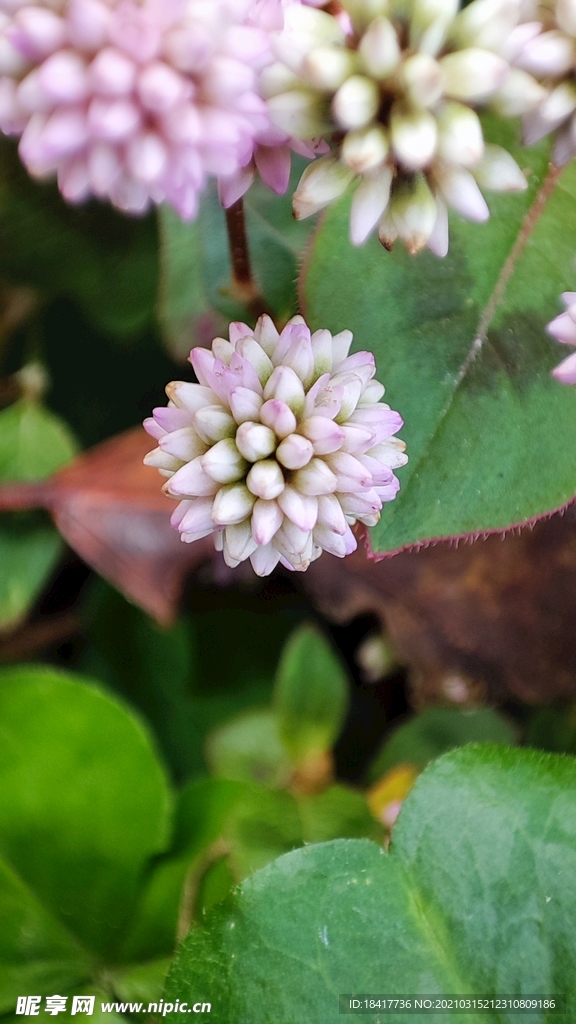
[(500, 611), (110, 509)]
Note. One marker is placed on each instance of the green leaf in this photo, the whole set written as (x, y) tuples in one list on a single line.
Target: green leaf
[(277, 242), (37, 953), (553, 729), (153, 667), (338, 813), (437, 730), (249, 749), (202, 810), (29, 551), (106, 261), (140, 982), (214, 886), (461, 346), (196, 269), (311, 694), (230, 827), (263, 824), (476, 895), (34, 443), (184, 310), (79, 775)]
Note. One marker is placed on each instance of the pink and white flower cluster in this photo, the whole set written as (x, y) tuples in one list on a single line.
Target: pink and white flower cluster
[(137, 102), (563, 328), (280, 448)]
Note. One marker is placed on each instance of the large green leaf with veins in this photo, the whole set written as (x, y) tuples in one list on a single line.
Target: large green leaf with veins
[(476, 895), (460, 344)]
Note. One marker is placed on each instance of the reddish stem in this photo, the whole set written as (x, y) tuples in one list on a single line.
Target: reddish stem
[(244, 287)]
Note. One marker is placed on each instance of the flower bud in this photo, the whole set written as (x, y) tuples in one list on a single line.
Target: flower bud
[(238, 543), (413, 211), (279, 417), (193, 480), (550, 53), (356, 102), (460, 139), (316, 478), (322, 352), (325, 435), (379, 49), (429, 24), (294, 452), (566, 16), (351, 474), (351, 385), (364, 12), (265, 479), (563, 328), (327, 67), (369, 202), (559, 104), (42, 30), (162, 461), (266, 520), (334, 543), (519, 94), (485, 23), (213, 423), (473, 74), (197, 521), (266, 334), (391, 451), (285, 385), (249, 349), (224, 463), (566, 371), (245, 404), (422, 80), (183, 444), (366, 149), (462, 193), (301, 509), (232, 504), (330, 514), (499, 171), (277, 79), (298, 113), (413, 135), (255, 441), (322, 182)]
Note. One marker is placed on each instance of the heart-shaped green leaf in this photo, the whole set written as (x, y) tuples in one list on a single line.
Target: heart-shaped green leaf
[(476, 895)]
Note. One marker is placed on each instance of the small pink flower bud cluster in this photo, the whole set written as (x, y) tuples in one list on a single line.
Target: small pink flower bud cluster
[(395, 86), (137, 102), (544, 46), (563, 328), (280, 448)]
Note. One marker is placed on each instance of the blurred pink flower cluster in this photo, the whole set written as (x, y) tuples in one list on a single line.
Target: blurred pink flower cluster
[(139, 102)]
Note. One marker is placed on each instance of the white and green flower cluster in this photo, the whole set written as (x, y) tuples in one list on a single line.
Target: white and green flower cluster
[(545, 47), (395, 85)]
